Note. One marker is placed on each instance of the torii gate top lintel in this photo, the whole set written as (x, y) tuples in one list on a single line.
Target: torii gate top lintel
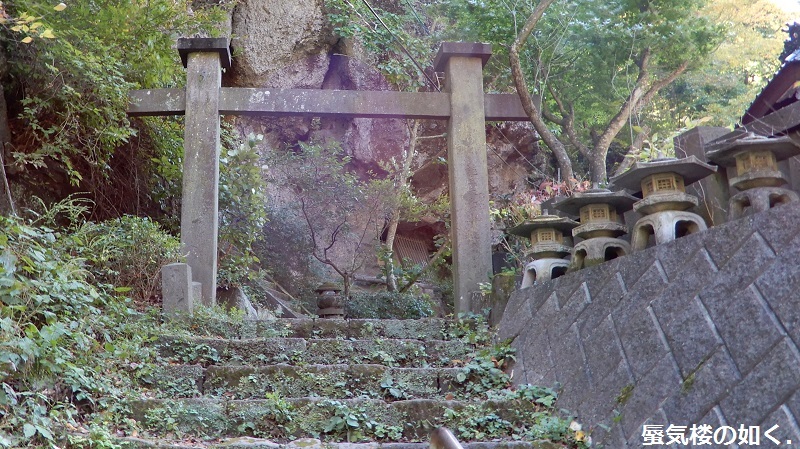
[(463, 103), (463, 49), (219, 45)]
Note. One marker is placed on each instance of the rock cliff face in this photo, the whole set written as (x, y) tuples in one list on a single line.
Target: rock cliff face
[(290, 44)]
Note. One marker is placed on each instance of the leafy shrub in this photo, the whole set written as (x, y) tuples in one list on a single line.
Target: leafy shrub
[(127, 252), (74, 86), (67, 348), (387, 305)]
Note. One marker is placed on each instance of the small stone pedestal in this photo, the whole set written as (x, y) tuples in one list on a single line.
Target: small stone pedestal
[(665, 201), (758, 178), (330, 301), (600, 212), (548, 247)]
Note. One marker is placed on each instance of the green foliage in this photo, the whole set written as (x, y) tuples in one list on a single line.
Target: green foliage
[(72, 113), (474, 423), (354, 423), (471, 328), (485, 372), (388, 305), (242, 197), (585, 60), (127, 252), (68, 348), (393, 389), (268, 420), (384, 37), (243, 213), (725, 84), (536, 419), (177, 419)]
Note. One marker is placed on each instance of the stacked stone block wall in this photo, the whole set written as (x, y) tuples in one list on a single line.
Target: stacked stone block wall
[(704, 329)]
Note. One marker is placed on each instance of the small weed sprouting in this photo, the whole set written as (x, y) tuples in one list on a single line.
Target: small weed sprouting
[(470, 328), (393, 390), (186, 352), (485, 371), (269, 420), (353, 423), (624, 394)]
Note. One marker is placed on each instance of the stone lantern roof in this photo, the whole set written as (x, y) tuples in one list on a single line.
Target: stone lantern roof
[(621, 201), (689, 168), (725, 153), (549, 231), (599, 211), (542, 222)]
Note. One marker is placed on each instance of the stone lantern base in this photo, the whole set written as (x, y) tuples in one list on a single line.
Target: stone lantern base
[(332, 313), (665, 226), (759, 199), (591, 252), (543, 270)]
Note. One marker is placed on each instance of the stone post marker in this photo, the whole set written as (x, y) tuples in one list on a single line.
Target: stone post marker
[(204, 59), (463, 64), (176, 285)]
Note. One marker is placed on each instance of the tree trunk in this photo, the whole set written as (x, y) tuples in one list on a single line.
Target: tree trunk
[(5, 137), (391, 279), (401, 183), (598, 174)]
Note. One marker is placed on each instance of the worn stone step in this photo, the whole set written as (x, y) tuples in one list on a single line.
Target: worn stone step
[(311, 443), (338, 381), (332, 420), (421, 329), (326, 351)]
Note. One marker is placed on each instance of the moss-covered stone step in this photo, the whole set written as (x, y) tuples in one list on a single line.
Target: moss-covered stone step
[(422, 329), (312, 443), (326, 351), (334, 381), (334, 420)]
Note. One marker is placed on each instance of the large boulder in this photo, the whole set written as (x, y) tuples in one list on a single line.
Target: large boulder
[(280, 43)]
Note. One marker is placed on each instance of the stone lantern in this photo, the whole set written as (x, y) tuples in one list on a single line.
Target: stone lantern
[(600, 212), (757, 175), (548, 247), (330, 302), (665, 201)]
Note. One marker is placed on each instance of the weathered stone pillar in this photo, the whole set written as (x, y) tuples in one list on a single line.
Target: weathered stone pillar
[(204, 59), (713, 190), (467, 168)]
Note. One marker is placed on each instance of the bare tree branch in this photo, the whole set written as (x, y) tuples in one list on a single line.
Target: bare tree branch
[(534, 114), (660, 84), (621, 118), (635, 147), (568, 123), (639, 97)]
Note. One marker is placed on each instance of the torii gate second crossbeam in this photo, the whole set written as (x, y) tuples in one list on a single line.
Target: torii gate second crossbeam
[(463, 104)]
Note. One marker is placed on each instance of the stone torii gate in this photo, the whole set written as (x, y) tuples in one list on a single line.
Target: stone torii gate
[(463, 104)]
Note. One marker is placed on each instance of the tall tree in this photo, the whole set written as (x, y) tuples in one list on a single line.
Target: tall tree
[(585, 69), (721, 89)]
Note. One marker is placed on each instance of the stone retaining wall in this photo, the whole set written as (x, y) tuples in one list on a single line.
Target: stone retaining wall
[(702, 330)]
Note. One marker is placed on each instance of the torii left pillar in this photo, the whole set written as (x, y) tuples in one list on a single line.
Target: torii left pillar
[(204, 60)]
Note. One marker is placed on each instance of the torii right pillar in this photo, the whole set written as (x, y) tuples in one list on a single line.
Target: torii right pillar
[(463, 64)]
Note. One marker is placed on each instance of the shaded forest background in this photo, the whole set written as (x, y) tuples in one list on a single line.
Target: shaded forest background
[(91, 198), (607, 84)]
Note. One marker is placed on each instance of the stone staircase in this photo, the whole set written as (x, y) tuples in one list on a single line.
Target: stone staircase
[(304, 382)]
